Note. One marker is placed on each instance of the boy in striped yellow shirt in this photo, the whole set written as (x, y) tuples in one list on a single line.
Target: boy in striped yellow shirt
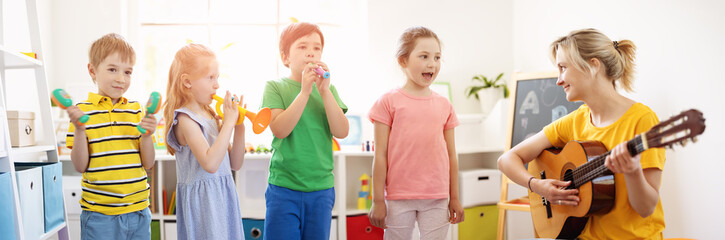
[(109, 150)]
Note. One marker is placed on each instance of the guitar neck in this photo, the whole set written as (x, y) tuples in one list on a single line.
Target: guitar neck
[(595, 167)]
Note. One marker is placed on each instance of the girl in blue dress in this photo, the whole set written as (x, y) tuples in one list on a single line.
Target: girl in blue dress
[(207, 206)]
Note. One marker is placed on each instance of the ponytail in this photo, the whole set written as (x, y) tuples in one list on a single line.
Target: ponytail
[(617, 57)]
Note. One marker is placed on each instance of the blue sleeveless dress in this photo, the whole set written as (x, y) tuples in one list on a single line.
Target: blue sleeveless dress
[(207, 205)]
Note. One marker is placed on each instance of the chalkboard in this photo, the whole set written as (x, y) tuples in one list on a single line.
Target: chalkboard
[(538, 101)]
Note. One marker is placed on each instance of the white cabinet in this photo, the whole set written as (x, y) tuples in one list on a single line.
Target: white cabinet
[(24, 88), (251, 182)]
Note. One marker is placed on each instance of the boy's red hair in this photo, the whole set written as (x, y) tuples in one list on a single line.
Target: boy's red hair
[(295, 31)]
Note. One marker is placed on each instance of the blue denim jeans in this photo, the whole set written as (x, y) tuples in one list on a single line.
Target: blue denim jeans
[(133, 225)]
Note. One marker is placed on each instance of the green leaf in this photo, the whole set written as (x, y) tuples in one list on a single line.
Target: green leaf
[(498, 78), (479, 78)]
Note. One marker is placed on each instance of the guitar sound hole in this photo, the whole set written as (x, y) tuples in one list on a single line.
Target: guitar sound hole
[(568, 176)]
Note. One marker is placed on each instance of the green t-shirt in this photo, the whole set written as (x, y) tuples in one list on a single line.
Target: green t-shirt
[(303, 160)]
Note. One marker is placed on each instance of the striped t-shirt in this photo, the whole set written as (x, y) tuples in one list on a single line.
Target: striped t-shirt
[(115, 181)]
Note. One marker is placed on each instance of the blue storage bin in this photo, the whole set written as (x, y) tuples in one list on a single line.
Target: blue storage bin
[(30, 194), (7, 207), (253, 229), (52, 192)]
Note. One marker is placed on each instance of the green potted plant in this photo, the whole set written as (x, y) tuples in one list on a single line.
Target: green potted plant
[(488, 92)]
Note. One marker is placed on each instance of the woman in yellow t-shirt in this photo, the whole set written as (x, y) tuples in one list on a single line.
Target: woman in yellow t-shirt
[(591, 69)]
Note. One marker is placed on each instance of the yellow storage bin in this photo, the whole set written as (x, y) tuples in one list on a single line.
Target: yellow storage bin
[(480, 223)]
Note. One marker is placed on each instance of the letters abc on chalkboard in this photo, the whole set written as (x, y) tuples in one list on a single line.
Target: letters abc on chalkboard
[(538, 101)]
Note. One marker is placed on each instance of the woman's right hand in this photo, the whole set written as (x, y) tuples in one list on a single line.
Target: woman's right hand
[(231, 109), (75, 113), (377, 214), (555, 191)]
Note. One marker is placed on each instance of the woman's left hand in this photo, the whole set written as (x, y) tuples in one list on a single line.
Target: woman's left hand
[(620, 161)]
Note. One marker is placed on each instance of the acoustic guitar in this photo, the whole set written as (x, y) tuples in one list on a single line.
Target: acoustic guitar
[(582, 163)]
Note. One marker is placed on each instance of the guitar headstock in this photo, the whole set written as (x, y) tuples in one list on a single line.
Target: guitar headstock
[(678, 129)]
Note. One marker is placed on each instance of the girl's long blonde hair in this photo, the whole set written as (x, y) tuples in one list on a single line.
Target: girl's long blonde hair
[(191, 60)]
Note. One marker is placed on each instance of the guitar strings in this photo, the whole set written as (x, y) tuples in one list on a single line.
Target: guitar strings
[(594, 168)]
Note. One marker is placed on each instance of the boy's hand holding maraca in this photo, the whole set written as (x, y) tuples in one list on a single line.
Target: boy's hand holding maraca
[(77, 116), (147, 126), (63, 100)]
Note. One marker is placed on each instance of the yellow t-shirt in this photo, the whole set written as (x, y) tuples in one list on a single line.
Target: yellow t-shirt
[(115, 181), (622, 222)]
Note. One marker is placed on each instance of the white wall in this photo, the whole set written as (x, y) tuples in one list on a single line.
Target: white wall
[(679, 57), (680, 64), (475, 36), (75, 25)]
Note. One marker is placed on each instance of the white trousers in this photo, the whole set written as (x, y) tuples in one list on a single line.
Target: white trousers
[(431, 215)]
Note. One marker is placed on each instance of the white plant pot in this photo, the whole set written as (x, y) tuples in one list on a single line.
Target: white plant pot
[(488, 98)]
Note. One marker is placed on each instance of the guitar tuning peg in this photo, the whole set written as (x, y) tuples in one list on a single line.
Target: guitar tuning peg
[(683, 142), (694, 139)]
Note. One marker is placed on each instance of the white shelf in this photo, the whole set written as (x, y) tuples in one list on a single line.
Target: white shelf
[(354, 154), (253, 213), (15, 59), (479, 150), (156, 216), (342, 210), (53, 231), (31, 149), (12, 59), (257, 156), (354, 212)]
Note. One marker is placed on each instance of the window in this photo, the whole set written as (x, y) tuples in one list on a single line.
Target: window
[(245, 36)]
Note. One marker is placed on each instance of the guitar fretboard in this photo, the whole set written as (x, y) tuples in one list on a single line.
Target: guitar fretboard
[(595, 168)]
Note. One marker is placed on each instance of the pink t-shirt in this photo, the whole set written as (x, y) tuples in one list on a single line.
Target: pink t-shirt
[(418, 163)]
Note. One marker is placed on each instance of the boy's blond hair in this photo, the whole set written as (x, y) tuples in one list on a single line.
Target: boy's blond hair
[(109, 44)]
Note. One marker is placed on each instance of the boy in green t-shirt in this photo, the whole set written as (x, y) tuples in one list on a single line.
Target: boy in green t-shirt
[(306, 114)]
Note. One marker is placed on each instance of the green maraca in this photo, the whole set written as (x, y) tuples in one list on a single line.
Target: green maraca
[(152, 107), (63, 100)]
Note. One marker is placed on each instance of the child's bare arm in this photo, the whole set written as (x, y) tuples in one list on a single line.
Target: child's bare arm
[(339, 126), (236, 153), (209, 157), (284, 120), (146, 143), (79, 153), (455, 207), (378, 211)]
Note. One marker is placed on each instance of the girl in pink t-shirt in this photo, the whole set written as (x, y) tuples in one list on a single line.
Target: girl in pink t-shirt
[(415, 171)]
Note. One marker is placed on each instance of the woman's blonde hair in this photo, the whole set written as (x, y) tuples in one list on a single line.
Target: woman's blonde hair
[(192, 60), (617, 57), (407, 41)]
